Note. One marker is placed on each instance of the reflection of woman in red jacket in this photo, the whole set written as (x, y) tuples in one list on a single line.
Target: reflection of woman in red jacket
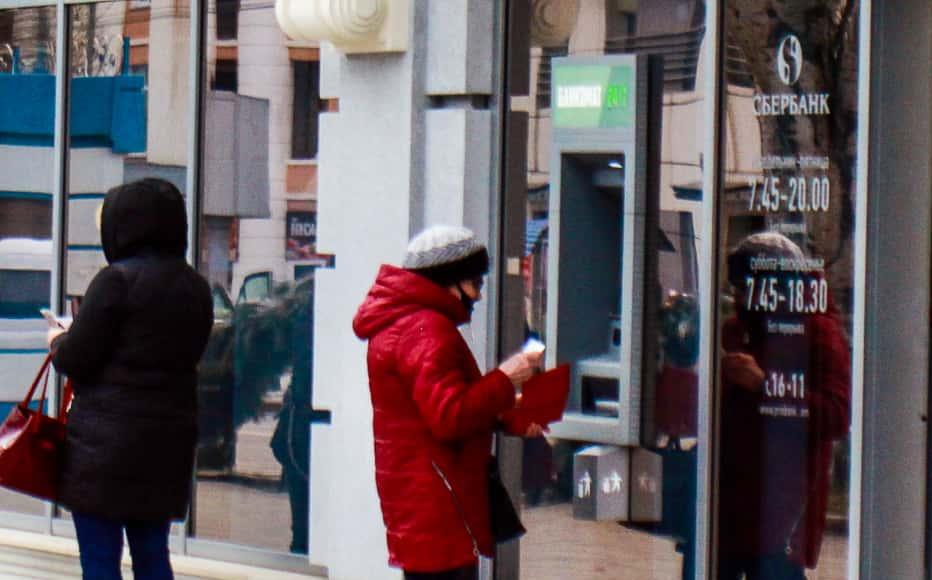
[(785, 400), (434, 412)]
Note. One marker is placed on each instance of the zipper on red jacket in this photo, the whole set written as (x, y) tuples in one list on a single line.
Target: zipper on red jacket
[(459, 509)]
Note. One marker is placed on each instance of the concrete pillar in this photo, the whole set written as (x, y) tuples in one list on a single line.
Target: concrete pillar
[(409, 147), (894, 502)]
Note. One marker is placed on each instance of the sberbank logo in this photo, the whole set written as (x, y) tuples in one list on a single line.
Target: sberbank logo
[(789, 59), (592, 96)]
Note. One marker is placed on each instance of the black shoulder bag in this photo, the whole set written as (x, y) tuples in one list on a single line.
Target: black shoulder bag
[(503, 517)]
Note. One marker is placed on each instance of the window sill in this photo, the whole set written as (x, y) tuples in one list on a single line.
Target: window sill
[(302, 43)]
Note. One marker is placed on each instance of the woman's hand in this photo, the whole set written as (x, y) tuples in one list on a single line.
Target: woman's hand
[(52, 334), (742, 370), (513, 427), (521, 366), (535, 430)]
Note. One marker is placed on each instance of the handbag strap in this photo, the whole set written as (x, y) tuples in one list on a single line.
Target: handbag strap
[(67, 394), (43, 376)]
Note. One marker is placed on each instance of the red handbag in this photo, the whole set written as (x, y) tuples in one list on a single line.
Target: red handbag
[(31, 443)]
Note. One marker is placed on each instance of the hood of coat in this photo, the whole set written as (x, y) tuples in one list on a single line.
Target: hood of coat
[(398, 292), (146, 216)]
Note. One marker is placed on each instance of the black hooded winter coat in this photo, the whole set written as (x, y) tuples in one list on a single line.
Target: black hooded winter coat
[(132, 353)]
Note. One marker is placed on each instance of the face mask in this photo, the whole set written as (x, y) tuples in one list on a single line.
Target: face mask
[(468, 303)]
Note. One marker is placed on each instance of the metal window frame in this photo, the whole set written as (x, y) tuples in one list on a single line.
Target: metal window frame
[(895, 508), (858, 351), (707, 247), (59, 199), (506, 121)]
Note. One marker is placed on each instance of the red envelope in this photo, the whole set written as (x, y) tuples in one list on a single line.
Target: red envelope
[(543, 401)]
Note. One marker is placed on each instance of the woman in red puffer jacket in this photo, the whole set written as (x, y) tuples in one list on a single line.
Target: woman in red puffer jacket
[(434, 412), (777, 443)]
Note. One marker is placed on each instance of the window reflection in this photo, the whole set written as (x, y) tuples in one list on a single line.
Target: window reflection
[(576, 526), (27, 88), (258, 250), (786, 222), (128, 116)]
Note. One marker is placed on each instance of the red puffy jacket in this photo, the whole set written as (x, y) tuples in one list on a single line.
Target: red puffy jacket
[(775, 470), (433, 417)]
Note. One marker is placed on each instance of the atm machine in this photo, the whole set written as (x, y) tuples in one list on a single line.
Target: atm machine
[(603, 228)]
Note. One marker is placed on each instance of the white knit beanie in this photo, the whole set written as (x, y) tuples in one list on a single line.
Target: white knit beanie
[(447, 254), (439, 245), (760, 245), (770, 244)]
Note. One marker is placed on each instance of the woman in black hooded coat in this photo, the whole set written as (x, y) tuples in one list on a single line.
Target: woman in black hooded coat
[(132, 354)]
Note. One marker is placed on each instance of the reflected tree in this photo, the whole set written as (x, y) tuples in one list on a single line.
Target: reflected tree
[(827, 32), (33, 35), (272, 339), (96, 45), (254, 347)]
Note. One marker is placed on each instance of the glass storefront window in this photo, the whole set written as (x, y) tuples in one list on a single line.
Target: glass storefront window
[(612, 203), (128, 114), (785, 300), (27, 89), (128, 110), (257, 250)]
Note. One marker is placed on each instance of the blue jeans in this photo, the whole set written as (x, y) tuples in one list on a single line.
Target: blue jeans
[(776, 567), (101, 545), (464, 573)]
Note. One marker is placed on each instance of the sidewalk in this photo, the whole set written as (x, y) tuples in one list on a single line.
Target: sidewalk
[(25, 555)]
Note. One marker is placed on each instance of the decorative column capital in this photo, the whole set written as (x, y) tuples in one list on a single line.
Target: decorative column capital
[(352, 26), (553, 21)]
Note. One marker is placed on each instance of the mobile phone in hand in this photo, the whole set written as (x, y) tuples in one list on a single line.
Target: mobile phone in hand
[(50, 317), (533, 346)]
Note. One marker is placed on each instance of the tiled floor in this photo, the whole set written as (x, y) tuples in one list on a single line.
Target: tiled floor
[(559, 547), (18, 563), (42, 557)]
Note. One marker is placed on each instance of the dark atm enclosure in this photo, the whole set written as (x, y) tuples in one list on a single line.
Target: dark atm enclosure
[(603, 220)]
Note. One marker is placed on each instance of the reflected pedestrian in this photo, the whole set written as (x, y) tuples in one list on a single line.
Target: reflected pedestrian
[(785, 401)]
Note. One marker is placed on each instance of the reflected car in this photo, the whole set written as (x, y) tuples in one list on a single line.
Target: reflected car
[(216, 448)]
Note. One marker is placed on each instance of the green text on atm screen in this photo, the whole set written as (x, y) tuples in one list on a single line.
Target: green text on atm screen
[(593, 96)]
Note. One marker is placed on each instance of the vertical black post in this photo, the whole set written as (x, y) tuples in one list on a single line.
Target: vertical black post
[(514, 130)]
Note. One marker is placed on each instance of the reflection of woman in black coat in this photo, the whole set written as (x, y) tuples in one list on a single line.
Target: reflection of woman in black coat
[(291, 442), (132, 353)]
